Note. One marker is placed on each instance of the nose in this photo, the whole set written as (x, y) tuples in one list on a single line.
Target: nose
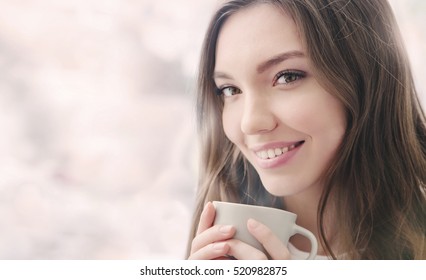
[(257, 117)]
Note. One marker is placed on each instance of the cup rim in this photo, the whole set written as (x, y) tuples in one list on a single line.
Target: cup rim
[(255, 206)]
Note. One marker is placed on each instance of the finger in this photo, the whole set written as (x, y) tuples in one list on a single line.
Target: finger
[(211, 251), (242, 251), (206, 218), (272, 244), (211, 235)]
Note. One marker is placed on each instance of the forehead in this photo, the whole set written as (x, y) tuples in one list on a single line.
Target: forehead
[(256, 33)]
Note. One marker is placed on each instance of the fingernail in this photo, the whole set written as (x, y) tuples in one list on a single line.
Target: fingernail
[(206, 205), (225, 229), (253, 223)]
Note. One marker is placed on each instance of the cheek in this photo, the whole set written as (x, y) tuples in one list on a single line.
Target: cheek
[(231, 124), (327, 127), (318, 114), (330, 120), (322, 119)]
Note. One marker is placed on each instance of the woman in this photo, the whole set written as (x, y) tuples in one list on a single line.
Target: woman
[(310, 106)]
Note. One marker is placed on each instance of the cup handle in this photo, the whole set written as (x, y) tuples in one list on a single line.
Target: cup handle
[(314, 245)]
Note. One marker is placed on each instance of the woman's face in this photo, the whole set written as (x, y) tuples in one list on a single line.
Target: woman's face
[(275, 111)]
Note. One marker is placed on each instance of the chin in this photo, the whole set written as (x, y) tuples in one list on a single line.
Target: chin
[(279, 187), (283, 187)]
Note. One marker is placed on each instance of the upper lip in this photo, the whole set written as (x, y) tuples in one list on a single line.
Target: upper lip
[(273, 145)]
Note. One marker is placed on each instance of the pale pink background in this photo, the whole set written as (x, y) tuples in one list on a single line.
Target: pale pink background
[(98, 155)]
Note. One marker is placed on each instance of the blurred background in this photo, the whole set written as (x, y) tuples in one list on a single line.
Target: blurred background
[(98, 156)]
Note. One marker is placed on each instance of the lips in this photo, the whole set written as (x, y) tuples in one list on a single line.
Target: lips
[(274, 150)]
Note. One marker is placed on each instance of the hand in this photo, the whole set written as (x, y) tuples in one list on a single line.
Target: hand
[(216, 242), (272, 244), (210, 241)]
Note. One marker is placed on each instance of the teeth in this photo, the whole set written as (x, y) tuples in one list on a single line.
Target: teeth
[(263, 154), (272, 153)]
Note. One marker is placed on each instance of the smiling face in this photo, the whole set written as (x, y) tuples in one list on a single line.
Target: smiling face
[(275, 111)]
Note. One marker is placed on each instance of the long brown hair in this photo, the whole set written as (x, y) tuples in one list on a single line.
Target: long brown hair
[(376, 183)]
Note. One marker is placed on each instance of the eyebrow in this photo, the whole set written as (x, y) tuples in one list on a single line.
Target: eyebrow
[(221, 75), (262, 67), (277, 60)]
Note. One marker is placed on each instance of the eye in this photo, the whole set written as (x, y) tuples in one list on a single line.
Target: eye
[(228, 91), (288, 76)]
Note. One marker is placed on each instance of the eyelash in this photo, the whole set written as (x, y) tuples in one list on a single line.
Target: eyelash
[(220, 91), (295, 74)]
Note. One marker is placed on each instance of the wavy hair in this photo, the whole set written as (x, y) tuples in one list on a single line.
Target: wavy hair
[(376, 183)]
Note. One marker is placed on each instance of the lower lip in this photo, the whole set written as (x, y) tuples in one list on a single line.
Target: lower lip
[(279, 160)]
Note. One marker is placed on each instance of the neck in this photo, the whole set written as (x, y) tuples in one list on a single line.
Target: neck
[(305, 206)]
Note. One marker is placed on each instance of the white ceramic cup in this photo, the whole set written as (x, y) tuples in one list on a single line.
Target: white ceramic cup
[(282, 223)]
